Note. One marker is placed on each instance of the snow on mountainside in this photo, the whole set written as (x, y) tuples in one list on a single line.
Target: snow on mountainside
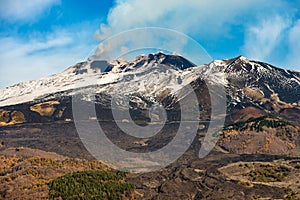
[(144, 73), (245, 80), (267, 79)]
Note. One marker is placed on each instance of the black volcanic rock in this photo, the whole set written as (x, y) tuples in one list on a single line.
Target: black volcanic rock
[(261, 136)]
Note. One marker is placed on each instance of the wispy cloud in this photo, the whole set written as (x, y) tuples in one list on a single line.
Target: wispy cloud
[(293, 58), (22, 60), (261, 39), (24, 10), (274, 40), (257, 25)]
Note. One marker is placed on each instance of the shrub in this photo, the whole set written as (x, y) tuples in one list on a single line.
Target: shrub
[(257, 124), (269, 173), (90, 185), (297, 167)]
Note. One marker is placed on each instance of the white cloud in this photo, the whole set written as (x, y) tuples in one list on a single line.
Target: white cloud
[(24, 10), (34, 58), (204, 20), (208, 18), (42, 55), (261, 39), (275, 40), (293, 59)]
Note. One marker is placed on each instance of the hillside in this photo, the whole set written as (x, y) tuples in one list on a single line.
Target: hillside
[(245, 113)]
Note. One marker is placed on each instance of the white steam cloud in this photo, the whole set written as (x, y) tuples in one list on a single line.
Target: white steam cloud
[(206, 20)]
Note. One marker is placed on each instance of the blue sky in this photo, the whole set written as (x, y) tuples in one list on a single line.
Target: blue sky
[(42, 37)]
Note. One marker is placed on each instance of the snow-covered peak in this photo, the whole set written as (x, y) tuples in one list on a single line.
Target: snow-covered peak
[(153, 75), (240, 65), (143, 72), (244, 59), (173, 61), (118, 62)]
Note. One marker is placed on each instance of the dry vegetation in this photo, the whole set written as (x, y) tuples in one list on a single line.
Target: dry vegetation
[(45, 108), (261, 135), (11, 117), (254, 93), (27, 177), (280, 173)]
